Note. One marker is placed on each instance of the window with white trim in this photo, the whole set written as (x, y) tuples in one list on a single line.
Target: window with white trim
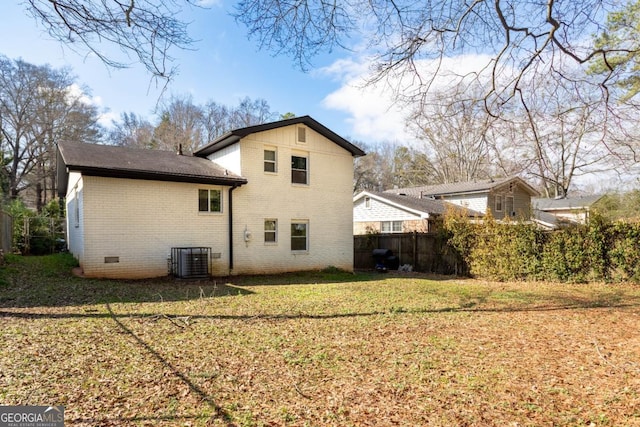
[(299, 235), (367, 202), (270, 164), (391, 226), (210, 200), (299, 170), (270, 230), (498, 203)]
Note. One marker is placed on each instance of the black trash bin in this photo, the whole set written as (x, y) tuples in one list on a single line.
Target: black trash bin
[(384, 259)]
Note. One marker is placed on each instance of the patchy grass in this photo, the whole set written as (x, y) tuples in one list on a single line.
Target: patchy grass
[(318, 349)]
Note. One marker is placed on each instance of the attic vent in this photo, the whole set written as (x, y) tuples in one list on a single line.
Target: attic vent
[(302, 134), (190, 263)]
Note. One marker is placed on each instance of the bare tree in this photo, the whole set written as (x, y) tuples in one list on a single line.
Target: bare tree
[(180, 127), (388, 165), (251, 112), (454, 135), (39, 108), (219, 119), (144, 29), (520, 40), (182, 123), (132, 131), (374, 172), (215, 120)]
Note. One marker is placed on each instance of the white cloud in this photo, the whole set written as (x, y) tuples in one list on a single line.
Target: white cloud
[(105, 117), (209, 3), (375, 115)]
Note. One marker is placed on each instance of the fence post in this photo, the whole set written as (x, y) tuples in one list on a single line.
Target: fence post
[(414, 240)]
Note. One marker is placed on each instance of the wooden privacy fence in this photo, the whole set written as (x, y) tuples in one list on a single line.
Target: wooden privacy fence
[(6, 232), (425, 252)]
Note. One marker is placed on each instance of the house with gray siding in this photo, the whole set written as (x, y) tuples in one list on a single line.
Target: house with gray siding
[(375, 212), (502, 198), (564, 211)]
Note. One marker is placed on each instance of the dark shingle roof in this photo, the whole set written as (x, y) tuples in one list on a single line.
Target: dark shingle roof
[(124, 162), (459, 188), (429, 206), (235, 135)]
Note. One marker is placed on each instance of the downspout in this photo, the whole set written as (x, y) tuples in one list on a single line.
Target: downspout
[(231, 227)]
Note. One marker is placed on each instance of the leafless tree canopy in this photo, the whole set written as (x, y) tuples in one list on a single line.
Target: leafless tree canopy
[(38, 108), (181, 124), (521, 37), (145, 30)]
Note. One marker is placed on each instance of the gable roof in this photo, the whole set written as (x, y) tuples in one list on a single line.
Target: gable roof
[(569, 203), (423, 206), (234, 136), (134, 163), (460, 188)]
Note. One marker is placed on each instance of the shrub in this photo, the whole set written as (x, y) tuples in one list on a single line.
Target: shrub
[(599, 251), (506, 251), (624, 254)]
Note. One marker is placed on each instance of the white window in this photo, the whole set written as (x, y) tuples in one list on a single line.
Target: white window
[(270, 230), (270, 161), (498, 203), (299, 236), (299, 170), (391, 226), (209, 200), (367, 202)]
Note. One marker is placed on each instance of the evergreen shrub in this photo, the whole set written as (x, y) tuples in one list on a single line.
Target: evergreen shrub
[(599, 251)]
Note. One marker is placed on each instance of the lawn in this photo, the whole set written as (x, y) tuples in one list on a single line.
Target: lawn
[(318, 349)]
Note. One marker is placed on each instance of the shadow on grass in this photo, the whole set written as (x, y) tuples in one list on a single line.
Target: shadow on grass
[(47, 281), (550, 305)]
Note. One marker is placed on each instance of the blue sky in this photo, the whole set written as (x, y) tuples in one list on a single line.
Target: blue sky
[(224, 67)]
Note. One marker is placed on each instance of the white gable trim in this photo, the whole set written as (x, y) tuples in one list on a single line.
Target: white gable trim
[(363, 194)]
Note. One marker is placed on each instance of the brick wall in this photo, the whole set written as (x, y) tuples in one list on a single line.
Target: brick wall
[(137, 222), (325, 203)]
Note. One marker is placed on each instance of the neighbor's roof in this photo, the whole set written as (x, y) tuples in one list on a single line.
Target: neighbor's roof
[(425, 206), (234, 136), (124, 162), (568, 203), (457, 188)]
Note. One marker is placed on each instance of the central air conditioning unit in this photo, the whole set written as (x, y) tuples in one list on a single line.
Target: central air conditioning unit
[(190, 263)]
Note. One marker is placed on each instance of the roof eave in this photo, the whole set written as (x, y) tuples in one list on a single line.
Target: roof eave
[(419, 212), (157, 176), (235, 135), (220, 143)]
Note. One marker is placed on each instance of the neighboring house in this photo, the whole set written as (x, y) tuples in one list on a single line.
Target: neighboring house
[(502, 198), (555, 213), (270, 198), (375, 212)]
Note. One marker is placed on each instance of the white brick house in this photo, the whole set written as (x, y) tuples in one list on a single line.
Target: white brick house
[(270, 198)]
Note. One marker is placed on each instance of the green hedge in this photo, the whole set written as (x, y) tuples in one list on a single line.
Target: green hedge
[(599, 251)]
